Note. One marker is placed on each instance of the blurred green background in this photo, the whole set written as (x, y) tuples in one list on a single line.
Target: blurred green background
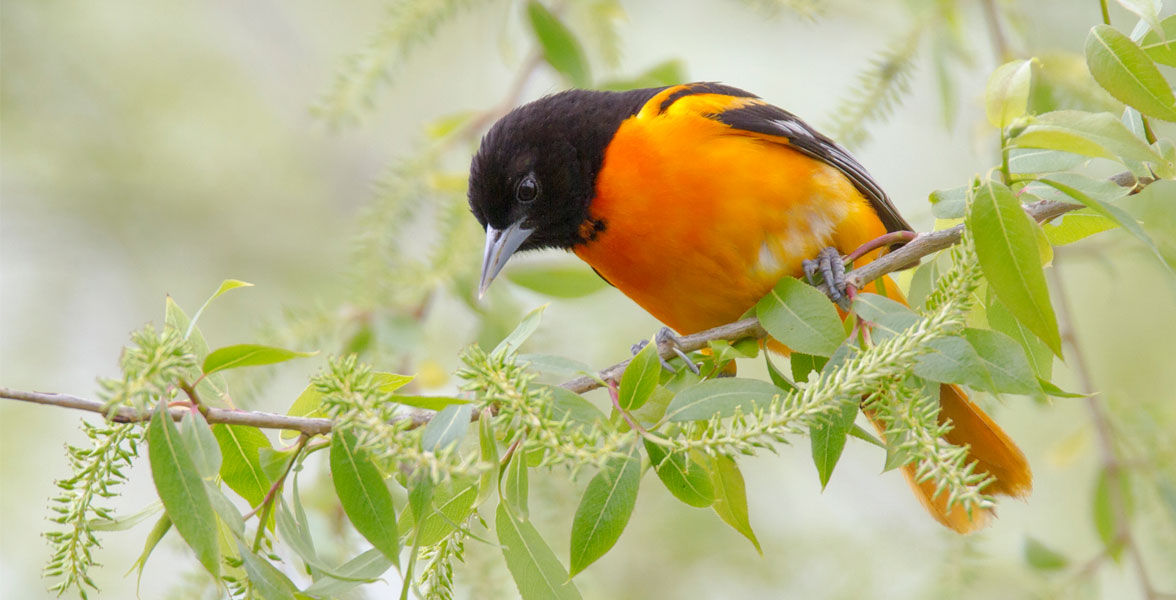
[(156, 148)]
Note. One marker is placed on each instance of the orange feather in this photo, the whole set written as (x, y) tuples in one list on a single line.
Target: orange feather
[(703, 219)]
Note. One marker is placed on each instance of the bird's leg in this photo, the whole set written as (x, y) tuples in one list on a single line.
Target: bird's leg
[(832, 271), (666, 338)]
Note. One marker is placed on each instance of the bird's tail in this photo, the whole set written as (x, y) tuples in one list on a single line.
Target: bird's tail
[(988, 446)]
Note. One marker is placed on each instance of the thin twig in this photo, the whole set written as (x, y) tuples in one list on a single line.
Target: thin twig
[(922, 245), (1111, 463)]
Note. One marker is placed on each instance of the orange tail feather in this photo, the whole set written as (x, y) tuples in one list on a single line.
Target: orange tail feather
[(992, 450)]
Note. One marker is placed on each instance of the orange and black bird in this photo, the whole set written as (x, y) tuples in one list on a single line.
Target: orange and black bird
[(694, 200)]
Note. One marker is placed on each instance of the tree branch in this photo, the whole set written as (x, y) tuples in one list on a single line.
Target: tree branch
[(907, 256)]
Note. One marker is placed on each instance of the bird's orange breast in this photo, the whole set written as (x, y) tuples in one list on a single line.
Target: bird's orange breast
[(701, 220)]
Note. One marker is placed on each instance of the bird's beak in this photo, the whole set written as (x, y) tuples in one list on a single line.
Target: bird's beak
[(500, 245)]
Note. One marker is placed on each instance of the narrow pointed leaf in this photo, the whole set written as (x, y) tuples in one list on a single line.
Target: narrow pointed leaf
[(513, 341), (181, 490), (447, 428), (731, 497), (1005, 361), (1007, 94), (201, 443), (488, 447), (267, 580), (1099, 135), (241, 463), (686, 479), (720, 397), (640, 377), (799, 316), (561, 50), (828, 440), (226, 285), (363, 494), (571, 280), (1162, 49), (534, 567), (248, 355), (365, 567), (1128, 73), (604, 510), (1007, 250), (514, 485)]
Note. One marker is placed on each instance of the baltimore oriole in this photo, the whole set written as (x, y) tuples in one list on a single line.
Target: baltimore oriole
[(694, 200)]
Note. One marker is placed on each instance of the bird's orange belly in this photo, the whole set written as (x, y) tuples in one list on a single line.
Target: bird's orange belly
[(697, 231)]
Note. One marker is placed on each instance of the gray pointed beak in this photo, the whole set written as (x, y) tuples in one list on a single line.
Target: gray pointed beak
[(500, 245)]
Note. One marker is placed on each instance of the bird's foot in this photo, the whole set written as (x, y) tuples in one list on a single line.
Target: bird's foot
[(831, 270), (666, 338)]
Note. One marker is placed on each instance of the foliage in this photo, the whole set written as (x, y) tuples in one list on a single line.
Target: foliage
[(418, 482)]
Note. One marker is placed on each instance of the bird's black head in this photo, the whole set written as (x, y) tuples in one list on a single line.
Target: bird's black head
[(535, 173)]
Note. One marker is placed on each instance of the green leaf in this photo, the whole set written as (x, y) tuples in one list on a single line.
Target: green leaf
[(568, 280), (241, 464), (275, 462), (828, 439), (556, 365), (390, 382), (1100, 135), (160, 529), (731, 497), (534, 567), (267, 581), (803, 365), (640, 378), (181, 489), (1076, 225), (1051, 389), (566, 404), (488, 447), (873, 307), (175, 318), (669, 72), (953, 360), (1007, 250), (779, 379), (1103, 509), (515, 339), (719, 397), (367, 566), (1037, 160), (1005, 361), (248, 355), (686, 479), (1007, 94), (226, 285), (561, 50), (1094, 197), (1162, 49), (1148, 10), (123, 523), (1042, 557), (451, 504), (223, 507), (950, 203), (604, 510), (799, 316), (1155, 208), (307, 404), (1128, 73), (447, 428), (363, 494), (514, 484), (1040, 358), (201, 444)]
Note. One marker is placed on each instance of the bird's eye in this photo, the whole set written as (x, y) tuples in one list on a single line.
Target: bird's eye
[(527, 190)]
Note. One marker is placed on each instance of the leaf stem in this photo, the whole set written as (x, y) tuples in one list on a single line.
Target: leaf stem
[(267, 503), (1106, 13)]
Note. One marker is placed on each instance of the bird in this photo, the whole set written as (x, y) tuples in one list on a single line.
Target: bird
[(694, 200)]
